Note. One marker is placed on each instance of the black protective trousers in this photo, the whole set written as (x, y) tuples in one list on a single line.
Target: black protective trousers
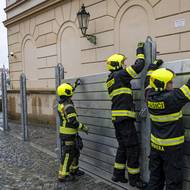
[(128, 149), (166, 168), (69, 154)]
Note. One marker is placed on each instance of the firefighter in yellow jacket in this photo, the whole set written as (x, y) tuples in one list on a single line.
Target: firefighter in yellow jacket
[(123, 116), (68, 134), (167, 132)]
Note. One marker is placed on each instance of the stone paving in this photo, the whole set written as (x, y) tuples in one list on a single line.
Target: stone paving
[(23, 167)]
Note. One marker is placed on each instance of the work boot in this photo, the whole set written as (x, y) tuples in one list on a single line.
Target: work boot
[(119, 179), (66, 178), (139, 183), (78, 173)]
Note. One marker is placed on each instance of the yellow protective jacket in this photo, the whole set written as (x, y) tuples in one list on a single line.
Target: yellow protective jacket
[(69, 124)]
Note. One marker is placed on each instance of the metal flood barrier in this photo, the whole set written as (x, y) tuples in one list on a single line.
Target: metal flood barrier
[(93, 107), (23, 104)]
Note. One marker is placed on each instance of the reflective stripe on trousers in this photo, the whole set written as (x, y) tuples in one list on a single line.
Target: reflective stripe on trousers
[(133, 171), (167, 142), (123, 113)]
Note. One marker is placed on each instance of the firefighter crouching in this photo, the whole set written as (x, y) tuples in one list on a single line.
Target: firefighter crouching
[(167, 132), (69, 138), (123, 116)]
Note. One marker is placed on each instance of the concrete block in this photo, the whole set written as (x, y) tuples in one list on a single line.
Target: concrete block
[(66, 10), (46, 73), (90, 2), (36, 84), (32, 25), (185, 41), (59, 15), (45, 28), (17, 58), (13, 29), (153, 2), (15, 48), (104, 23), (168, 44), (112, 7), (46, 51), (42, 63), (15, 85), (88, 55), (103, 39), (12, 39), (167, 7), (51, 61), (167, 25), (121, 2), (91, 27), (175, 56), (51, 38), (45, 17), (185, 5), (36, 33), (41, 41), (25, 27), (51, 83), (75, 6), (15, 75), (97, 10), (92, 68), (56, 27), (104, 52), (15, 67)]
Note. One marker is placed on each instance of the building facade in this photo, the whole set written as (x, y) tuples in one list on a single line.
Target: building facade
[(43, 33)]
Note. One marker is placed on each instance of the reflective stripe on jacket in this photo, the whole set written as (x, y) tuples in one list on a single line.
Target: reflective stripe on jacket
[(69, 123), (165, 113), (119, 89)]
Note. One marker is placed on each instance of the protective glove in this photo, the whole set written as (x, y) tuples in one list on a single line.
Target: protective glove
[(84, 128), (140, 45), (158, 62), (188, 83), (140, 49)]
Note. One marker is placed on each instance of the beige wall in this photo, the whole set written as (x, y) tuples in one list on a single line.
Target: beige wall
[(42, 37), (41, 106), (51, 36)]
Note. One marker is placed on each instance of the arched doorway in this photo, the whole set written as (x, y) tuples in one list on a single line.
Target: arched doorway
[(30, 59), (134, 22), (69, 50), (133, 28)]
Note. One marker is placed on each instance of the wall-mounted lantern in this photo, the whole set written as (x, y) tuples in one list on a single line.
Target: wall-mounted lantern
[(83, 20)]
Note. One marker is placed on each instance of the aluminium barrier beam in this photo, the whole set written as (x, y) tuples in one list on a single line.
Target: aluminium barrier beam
[(23, 103)]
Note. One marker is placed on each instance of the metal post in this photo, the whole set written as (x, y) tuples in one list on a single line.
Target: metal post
[(59, 75), (150, 56), (23, 101), (4, 101)]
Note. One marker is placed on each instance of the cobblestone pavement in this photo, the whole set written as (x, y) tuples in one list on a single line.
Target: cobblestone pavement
[(42, 135), (23, 167)]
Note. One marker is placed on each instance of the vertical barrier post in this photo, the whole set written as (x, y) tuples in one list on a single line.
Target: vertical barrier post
[(4, 101), (23, 101), (150, 56), (59, 75)]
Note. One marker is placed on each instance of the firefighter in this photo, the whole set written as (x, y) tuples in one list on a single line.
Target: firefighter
[(123, 116), (69, 138), (167, 132)]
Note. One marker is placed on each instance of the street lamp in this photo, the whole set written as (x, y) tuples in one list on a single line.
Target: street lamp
[(83, 20)]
